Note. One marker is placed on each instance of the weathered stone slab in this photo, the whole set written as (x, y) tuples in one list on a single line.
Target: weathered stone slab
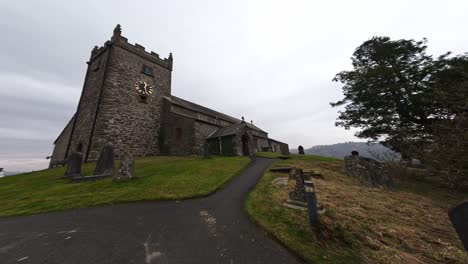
[(459, 218), (282, 169), (105, 164), (73, 165), (297, 203), (126, 168), (280, 182), (293, 206), (89, 178)]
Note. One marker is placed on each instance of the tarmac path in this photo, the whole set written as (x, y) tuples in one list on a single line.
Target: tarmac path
[(213, 229)]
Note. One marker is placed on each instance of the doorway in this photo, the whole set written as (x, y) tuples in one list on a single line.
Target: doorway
[(245, 145)]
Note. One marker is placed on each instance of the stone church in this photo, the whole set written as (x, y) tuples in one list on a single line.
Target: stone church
[(126, 100)]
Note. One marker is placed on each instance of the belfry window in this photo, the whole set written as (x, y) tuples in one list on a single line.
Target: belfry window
[(147, 70)]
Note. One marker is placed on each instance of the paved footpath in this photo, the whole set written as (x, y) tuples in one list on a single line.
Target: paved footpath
[(214, 229)]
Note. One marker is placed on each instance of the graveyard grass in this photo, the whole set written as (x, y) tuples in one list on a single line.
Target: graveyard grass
[(361, 225), (157, 178)]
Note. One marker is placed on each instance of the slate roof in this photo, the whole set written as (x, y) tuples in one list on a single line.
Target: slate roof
[(228, 130), (199, 108), (204, 110), (232, 130)]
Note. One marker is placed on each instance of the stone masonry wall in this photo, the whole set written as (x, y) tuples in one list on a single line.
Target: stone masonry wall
[(202, 131), (260, 143), (370, 172), (88, 103), (61, 143), (172, 144), (123, 119)]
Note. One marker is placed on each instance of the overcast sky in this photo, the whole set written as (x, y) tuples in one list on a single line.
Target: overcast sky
[(270, 61)]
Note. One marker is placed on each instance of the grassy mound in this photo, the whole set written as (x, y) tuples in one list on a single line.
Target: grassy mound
[(361, 225), (158, 178)]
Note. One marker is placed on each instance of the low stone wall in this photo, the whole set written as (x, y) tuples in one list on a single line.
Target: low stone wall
[(370, 172)]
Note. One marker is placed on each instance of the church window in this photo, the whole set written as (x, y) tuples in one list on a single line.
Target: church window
[(178, 134), (147, 70)]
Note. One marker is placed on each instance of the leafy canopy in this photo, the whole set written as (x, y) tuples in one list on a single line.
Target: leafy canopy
[(396, 91)]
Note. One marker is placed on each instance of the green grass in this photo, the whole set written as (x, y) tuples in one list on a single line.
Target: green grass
[(275, 155), (271, 155), (360, 225), (290, 227), (157, 178)]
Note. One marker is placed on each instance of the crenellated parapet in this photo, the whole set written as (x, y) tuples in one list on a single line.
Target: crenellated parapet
[(97, 51), (121, 41)]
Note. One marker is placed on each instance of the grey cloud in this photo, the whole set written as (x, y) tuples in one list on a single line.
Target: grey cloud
[(270, 61)]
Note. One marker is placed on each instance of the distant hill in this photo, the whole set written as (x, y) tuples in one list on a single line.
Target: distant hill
[(340, 150)]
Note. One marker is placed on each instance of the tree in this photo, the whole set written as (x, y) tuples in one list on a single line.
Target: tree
[(400, 95), (391, 90)]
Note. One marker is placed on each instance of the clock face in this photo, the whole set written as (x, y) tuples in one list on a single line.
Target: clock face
[(143, 88)]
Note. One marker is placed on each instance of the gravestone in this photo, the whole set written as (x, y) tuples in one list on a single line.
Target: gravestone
[(300, 150), (297, 198), (73, 165), (298, 194), (105, 164), (312, 206), (126, 168), (459, 218)]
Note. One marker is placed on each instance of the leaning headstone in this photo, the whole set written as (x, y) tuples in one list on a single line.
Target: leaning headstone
[(105, 164), (73, 165), (126, 168), (300, 150), (312, 207), (459, 218)]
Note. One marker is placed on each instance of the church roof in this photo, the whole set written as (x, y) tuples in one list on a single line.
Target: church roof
[(234, 130), (204, 110), (228, 130), (199, 108)]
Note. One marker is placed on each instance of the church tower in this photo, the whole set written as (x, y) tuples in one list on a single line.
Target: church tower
[(121, 101)]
